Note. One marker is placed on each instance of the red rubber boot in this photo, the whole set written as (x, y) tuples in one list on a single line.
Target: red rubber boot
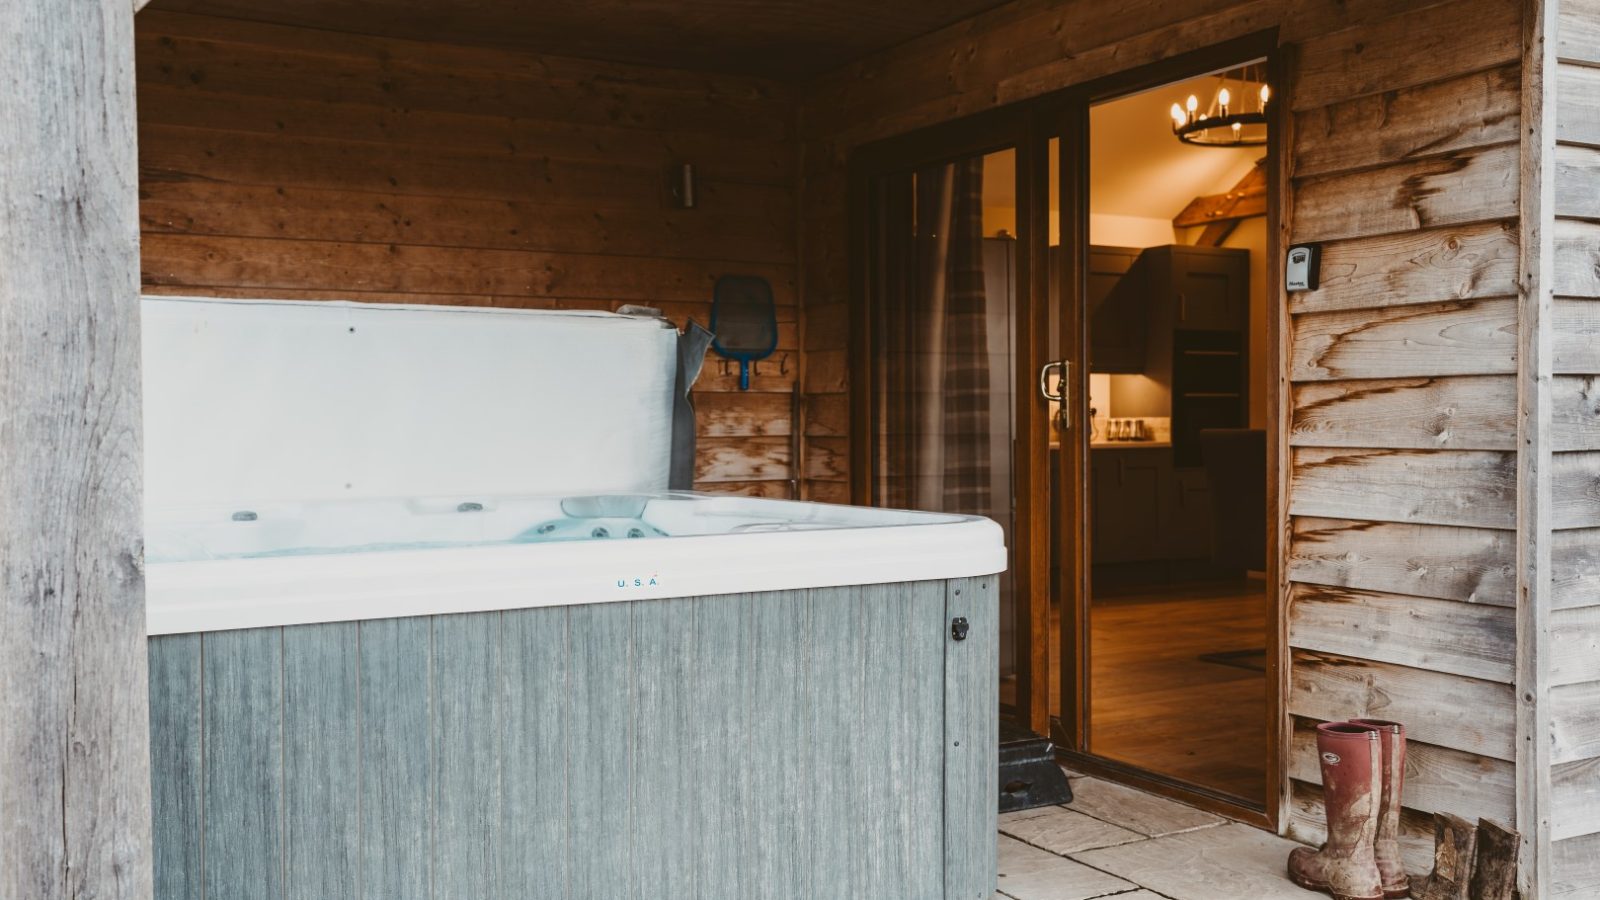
[(1352, 780), (1392, 735)]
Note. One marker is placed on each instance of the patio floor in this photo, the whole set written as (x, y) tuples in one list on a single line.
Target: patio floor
[(1114, 841)]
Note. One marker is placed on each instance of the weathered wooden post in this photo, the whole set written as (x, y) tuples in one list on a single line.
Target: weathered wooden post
[(1536, 327), (74, 758)]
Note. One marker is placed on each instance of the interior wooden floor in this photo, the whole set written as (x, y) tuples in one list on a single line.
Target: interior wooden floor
[(1159, 705), (1156, 703)]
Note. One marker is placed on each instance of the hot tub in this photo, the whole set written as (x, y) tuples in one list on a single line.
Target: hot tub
[(363, 693)]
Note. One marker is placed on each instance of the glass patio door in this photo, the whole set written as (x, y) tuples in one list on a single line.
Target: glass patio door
[(948, 373)]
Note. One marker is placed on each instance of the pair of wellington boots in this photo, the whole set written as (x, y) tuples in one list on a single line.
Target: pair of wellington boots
[(1363, 770)]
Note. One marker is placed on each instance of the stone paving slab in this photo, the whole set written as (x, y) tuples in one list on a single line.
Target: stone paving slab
[(1229, 862)]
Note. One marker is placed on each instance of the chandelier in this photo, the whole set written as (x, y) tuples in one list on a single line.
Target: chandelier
[(1230, 120)]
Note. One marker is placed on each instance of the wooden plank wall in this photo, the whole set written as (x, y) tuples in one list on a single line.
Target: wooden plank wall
[(1575, 617), (302, 164), (1404, 164), (804, 744), (1402, 490)]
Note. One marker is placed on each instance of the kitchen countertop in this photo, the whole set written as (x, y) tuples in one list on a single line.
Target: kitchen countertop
[(1123, 445)]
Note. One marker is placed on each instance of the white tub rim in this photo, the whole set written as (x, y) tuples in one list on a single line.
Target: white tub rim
[(237, 593)]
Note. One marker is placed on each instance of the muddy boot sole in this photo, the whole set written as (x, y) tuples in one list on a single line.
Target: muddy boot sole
[(1310, 885)]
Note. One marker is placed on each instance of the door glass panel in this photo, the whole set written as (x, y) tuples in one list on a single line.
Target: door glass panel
[(943, 291), (1175, 307)]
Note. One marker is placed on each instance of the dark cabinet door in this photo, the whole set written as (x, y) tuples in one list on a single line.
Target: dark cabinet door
[(1117, 294), (1188, 524), (1118, 310), (1209, 292), (1211, 288), (1127, 496), (1144, 509)]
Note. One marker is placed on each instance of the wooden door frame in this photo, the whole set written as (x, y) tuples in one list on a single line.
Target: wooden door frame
[(1065, 113)]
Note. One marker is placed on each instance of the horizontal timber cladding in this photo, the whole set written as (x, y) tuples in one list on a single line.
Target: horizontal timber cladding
[(1577, 254), (1575, 565), (1470, 565), (1578, 118), (1403, 402), (630, 749), (1407, 50), (300, 164), (1577, 488), (1469, 639), (1461, 186), (1575, 623), (1575, 865), (1437, 487), (1467, 262), (1467, 714), (1474, 110), (1426, 413), (1577, 175), (1576, 722), (1461, 337)]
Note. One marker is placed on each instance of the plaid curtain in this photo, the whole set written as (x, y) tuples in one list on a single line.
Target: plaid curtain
[(933, 354), (966, 348)]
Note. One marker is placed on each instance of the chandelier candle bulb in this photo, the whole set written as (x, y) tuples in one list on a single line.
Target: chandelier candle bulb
[(1219, 122)]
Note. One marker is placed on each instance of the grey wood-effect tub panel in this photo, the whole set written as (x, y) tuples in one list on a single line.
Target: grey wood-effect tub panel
[(802, 744), (532, 851), (241, 714), (396, 785), (321, 760), (972, 746), (175, 751)]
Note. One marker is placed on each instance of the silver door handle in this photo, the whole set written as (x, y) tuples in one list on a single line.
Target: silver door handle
[(1061, 367)]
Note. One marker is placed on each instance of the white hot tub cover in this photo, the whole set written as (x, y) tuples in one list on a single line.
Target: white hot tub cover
[(322, 462), (247, 402)]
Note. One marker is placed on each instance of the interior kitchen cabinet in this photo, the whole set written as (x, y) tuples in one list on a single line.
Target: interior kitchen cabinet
[(1197, 302), (1207, 285), (1206, 293), (1118, 308), (1189, 307), (1137, 299), (1147, 509)]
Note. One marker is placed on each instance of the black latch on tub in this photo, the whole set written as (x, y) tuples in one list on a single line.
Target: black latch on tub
[(958, 628)]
